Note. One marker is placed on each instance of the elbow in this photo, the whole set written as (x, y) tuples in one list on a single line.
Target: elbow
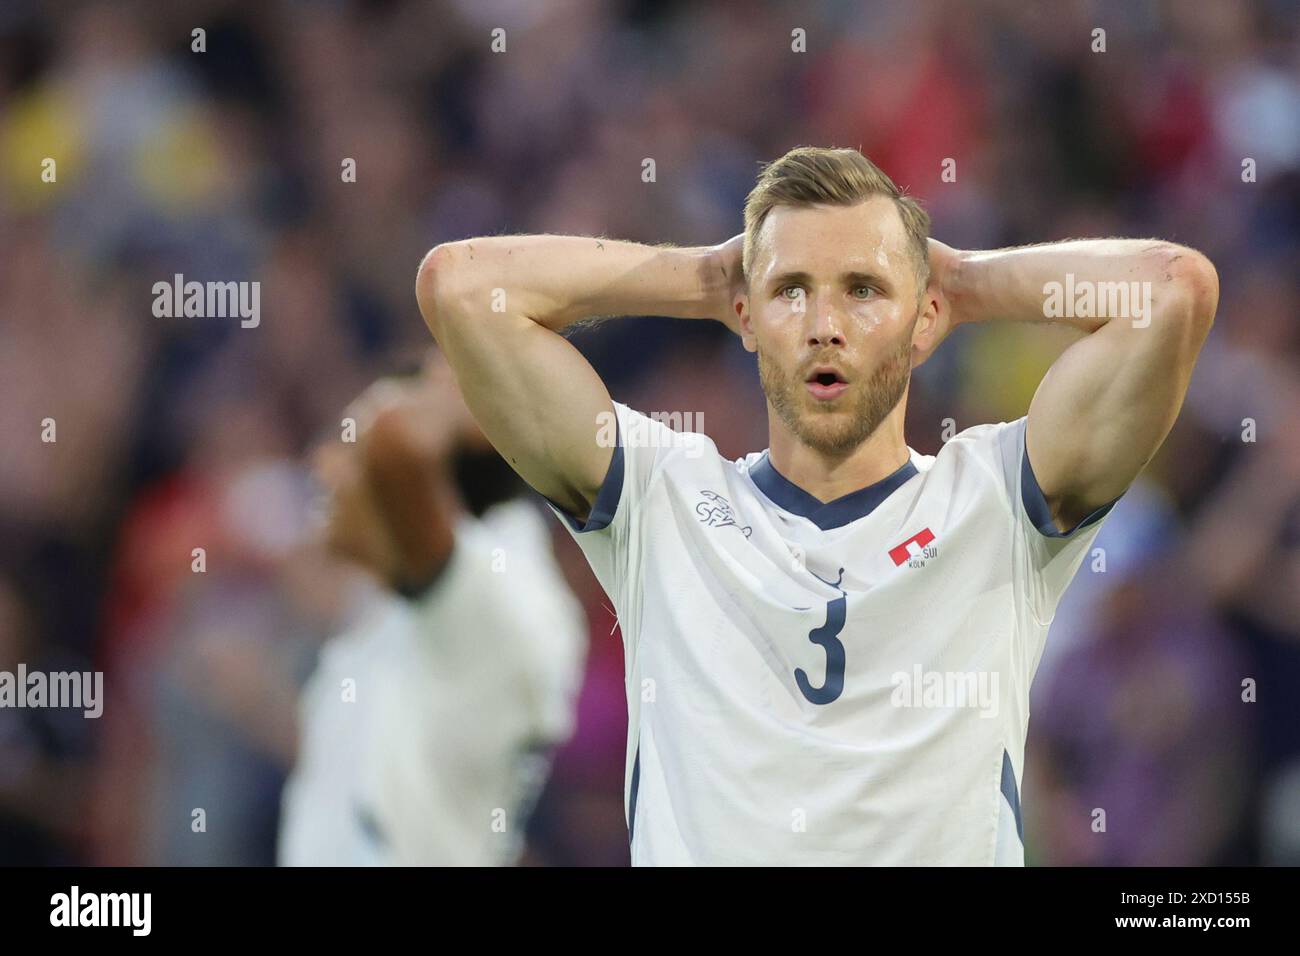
[(1195, 284), (439, 284)]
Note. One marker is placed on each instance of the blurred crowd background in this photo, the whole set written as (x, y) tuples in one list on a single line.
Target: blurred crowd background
[(226, 165)]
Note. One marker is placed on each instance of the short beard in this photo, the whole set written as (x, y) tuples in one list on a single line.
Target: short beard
[(836, 435)]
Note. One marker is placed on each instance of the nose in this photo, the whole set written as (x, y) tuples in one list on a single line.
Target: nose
[(826, 327)]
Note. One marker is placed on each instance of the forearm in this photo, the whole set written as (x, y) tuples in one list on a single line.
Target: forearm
[(559, 280), (415, 498), (1084, 283)]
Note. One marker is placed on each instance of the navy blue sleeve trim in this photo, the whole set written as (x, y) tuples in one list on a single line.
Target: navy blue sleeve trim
[(611, 490), (1031, 495), (1011, 793), (636, 784)]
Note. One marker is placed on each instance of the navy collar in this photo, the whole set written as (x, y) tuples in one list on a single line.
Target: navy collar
[(827, 515)]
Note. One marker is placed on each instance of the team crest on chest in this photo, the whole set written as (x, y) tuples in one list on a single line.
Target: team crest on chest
[(916, 550), (715, 511)]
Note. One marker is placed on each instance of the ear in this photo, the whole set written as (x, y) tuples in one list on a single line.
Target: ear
[(930, 327), (745, 322)]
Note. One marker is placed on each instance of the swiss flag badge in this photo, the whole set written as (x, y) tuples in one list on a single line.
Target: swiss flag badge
[(912, 547)]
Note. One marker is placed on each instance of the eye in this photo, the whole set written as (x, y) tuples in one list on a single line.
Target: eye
[(862, 291), (791, 293)]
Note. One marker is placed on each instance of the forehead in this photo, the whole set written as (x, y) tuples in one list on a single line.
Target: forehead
[(867, 237)]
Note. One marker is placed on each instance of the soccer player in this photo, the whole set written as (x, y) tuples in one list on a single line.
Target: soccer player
[(829, 643), (426, 729)]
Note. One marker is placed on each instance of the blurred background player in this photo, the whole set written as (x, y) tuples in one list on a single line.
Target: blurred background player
[(427, 725)]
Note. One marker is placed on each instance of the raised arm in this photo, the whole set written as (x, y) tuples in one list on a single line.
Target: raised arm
[(409, 431), (497, 307), (1108, 402), (393, 501)]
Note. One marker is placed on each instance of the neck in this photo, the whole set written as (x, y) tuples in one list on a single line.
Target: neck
[(828, 477)]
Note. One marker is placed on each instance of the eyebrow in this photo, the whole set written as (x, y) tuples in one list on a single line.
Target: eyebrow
[(852, 278)]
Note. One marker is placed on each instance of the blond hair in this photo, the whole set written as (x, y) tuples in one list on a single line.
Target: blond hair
[(816, 175)]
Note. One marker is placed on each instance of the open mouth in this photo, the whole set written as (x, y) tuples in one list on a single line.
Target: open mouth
[(826, 383)]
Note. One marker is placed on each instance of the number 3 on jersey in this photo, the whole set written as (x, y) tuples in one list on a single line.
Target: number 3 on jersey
[(827, 637)]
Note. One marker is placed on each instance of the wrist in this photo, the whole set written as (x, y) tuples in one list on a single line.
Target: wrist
[(957, 287), (721, 279), (715, 284), (700, 263)]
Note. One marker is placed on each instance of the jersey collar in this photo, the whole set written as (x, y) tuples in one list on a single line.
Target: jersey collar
[(785, 494)]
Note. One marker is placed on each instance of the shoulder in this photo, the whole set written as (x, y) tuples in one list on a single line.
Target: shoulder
[(978, 439), (652, 452), (662, 436), (994, 447), (650, 446), (999, 451)]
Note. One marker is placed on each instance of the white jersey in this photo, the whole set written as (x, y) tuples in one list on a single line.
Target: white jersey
[(838, 683), (426, 728)]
